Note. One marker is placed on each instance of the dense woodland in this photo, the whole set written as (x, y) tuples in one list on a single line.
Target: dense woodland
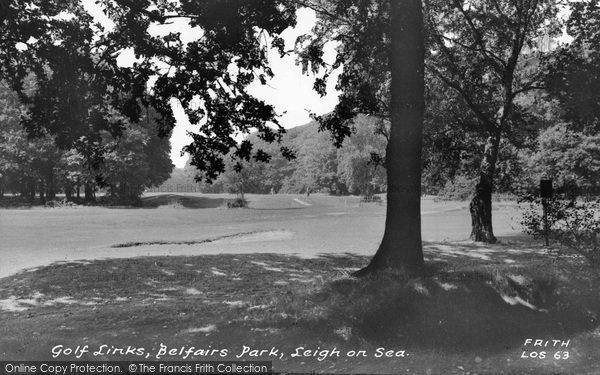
[(36, 169)]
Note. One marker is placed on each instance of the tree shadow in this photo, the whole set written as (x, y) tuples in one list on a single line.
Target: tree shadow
[(510, 250), (475, 308)]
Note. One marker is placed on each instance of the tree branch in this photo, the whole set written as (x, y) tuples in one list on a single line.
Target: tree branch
[(463, 93), (528, 88), (496, 61)]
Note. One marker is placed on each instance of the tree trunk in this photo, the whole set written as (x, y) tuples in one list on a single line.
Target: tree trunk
[(50, 185), (31, 188), (42, 197), (401, 247), (481, 204), (88, 197), (68, 192), (50, 193)]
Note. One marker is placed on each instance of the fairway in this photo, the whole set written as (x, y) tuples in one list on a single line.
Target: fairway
[(196, 224)]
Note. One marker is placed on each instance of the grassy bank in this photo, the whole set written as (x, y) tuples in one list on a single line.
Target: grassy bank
[(463, 317)]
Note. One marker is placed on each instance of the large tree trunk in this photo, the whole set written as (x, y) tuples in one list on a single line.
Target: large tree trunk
[(401, 247), (481, 204)]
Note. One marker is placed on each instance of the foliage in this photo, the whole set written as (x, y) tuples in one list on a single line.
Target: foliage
[(135, 159), (237, 203), (448, 150), (487, 53), (571, 223), (60, 203), (79, 83), (478, 51), (318, 167), (210, 75), (573, 74), (76, 79), (567, 157), (458, 189), (360, 30), (360, 164), (244, 177)]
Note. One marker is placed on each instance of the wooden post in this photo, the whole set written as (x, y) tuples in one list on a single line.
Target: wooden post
[(546, 193), (545, 215)]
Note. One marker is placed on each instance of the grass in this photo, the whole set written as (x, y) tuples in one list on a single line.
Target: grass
[(456, 319), (276, 275)]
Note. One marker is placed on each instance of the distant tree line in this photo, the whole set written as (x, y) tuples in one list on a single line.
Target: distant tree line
[(356, 168), (557, 151), (121, 167)]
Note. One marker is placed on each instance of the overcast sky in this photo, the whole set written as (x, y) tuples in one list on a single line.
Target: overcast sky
[(289, 91)]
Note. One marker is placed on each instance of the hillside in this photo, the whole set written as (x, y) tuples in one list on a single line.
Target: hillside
[(318, 167)]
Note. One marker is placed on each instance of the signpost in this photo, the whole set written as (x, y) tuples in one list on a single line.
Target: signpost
[(546, 193)]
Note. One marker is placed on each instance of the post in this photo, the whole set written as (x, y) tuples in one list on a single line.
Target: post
[(545, 193), (545, 216)]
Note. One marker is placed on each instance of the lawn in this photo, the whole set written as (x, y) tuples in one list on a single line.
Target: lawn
[(277, 276)]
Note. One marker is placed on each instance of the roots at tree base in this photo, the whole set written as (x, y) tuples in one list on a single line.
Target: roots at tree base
[(389, 259), (481, 220)]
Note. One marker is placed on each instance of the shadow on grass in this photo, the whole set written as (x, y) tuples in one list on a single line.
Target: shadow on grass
[(458, 307), (511, 250)]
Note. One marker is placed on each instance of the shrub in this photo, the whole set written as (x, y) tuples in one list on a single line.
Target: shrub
[(113, 200), (60, 203), (461, 188), (237, 203), (572, 224)]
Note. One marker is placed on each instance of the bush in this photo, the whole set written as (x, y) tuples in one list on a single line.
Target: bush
[(461, 188), (60, 203), (113, 200), (237, 203), (572, 224)]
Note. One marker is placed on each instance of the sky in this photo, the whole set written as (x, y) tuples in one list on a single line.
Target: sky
[(290, 92)]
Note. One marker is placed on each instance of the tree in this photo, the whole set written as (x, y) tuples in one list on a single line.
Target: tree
[(403, 151), (360, 163), (477, 50), (247, 179), (573, 71), (449, 146), (209, 76), (135, 160), (381, 53), (316, 166), (77, 81), (567, 156), (27, 165), (216, 70)]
